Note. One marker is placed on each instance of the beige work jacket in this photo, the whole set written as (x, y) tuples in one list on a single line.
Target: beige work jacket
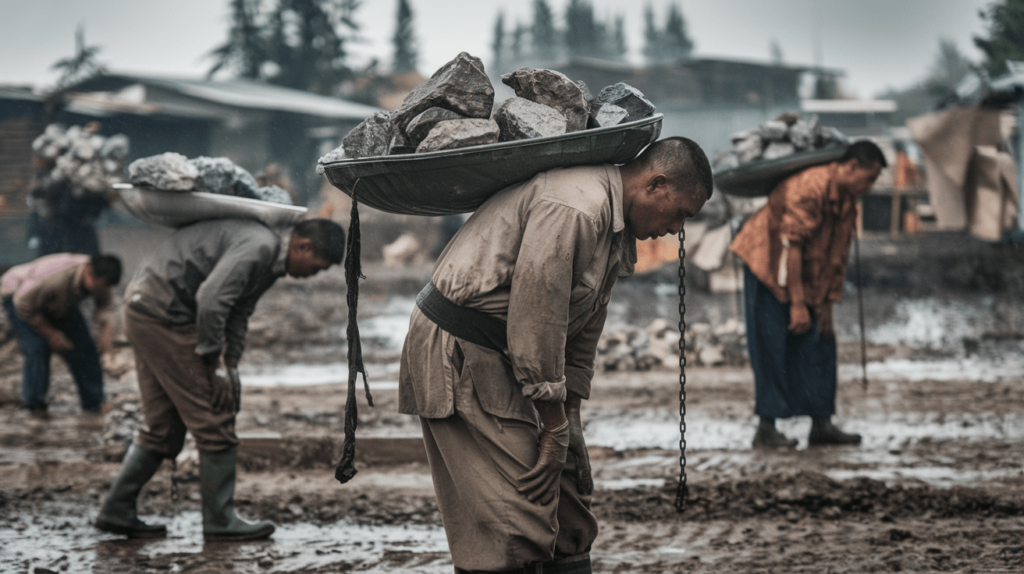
[(542, 256)]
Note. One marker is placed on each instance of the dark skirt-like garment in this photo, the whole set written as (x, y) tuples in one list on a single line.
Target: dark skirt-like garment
[(793, 374)]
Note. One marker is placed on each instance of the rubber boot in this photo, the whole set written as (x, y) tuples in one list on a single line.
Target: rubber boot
[(823, 432), (768, 436), (119, 514), (217, 485)]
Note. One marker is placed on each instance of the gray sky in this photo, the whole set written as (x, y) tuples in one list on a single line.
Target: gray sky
[(879, 43)]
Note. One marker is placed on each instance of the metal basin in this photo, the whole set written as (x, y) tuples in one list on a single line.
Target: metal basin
[(168, 208), (759, 178), (459, 180)]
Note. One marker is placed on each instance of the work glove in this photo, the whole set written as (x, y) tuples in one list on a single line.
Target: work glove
[(540, 484), (222, 389), (578, 448)]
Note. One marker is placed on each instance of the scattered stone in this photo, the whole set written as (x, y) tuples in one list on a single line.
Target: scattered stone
[(774, 130), (453, 134), (628, 98), (461, 86), (608, 115), (520, 119), (553, 89), (778, 149), (421, 125), (372, 137), (168, 170)]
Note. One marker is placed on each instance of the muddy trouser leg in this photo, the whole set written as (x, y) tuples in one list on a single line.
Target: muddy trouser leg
[(83, 360), (35, 375), (475, 460)]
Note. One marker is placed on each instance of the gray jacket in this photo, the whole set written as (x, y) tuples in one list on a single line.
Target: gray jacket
[(211, 274)]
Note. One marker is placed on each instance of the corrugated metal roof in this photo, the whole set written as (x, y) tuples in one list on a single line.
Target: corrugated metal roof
[(241, 94)]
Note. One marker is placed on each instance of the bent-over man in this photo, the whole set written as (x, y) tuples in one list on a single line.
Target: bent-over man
[(795, 251), (41, 299), (187, 312), (501, 348)]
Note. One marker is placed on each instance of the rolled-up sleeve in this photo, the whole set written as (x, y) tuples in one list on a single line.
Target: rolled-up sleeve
[(581, 353), (225, 286), (557, 238)]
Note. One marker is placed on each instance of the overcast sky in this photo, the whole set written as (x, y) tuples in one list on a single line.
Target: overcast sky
[(879, 43)]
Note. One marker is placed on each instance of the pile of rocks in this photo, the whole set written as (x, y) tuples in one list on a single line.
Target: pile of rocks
[(455, 108), (785, 135), (119, 427), (657, 346), (88, 163), (173, 171)]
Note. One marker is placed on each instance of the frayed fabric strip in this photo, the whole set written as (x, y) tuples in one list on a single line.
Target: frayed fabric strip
[(547, 392)]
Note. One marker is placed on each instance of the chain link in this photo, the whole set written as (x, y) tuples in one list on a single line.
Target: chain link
[(682, 490)]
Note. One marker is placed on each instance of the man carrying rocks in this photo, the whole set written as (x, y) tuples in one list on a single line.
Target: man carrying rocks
[(186, 308), (41, 299), (795, 250), (500, 351)]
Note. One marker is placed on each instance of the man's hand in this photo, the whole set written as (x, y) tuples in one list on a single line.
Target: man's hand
[(541, 484), (578, 448), (59, 342), (825, 325), (799, 318), (222, 390)]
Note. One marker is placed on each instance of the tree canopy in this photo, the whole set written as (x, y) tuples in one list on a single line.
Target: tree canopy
[(1005, 22), (404, 40), (79, 66)]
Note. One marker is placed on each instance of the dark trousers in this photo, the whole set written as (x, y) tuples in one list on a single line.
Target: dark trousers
[(793, 374), (83, 361)]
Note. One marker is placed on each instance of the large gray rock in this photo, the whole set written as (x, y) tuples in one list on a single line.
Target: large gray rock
[(165, 171), (273, 194), (608, 115), (216, 174), (453, 134), (245, 185), (587, 96), (553, 89), (750, 149), (773, 130), (804, 132), (420, 126), (628, 98), (461, 86), (370, 138), (777, 150), (520, 119), (400, 145)]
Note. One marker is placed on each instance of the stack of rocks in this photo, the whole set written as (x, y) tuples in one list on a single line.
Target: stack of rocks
[(785, 135), (88, 163), (174, 172), (657, 346), (455, 109)]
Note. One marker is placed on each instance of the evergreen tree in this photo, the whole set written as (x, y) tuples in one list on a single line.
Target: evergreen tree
[(498, 44), (581, 35), (245, 49), (517, 43), (776, 52), (654, 46), (545, 40), (1005, 40), (678, 45), (618, 48), (80, 66), (404, 40)]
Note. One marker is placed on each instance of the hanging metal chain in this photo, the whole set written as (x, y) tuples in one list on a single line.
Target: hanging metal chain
[(682, 490), (174, 481)]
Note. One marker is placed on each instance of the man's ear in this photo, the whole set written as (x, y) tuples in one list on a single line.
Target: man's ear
[(656, 181)]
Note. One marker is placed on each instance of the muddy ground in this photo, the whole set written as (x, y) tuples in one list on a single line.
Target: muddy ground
[(936, 486)]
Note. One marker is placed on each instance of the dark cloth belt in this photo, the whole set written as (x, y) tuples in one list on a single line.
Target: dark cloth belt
[(465, 323)]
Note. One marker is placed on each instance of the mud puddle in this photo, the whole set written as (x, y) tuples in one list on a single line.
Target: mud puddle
[(65, 540)]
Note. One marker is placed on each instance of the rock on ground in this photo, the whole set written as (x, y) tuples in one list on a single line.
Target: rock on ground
[(461, 86), (553, 89), (421, 125), (608, 115), (168, 170), (370, 138), (453, 134), (628, 98), (519, 119)]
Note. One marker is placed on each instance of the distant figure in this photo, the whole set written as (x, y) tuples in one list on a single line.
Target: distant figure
[(41, 299), (795, 249), (186, 313)]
